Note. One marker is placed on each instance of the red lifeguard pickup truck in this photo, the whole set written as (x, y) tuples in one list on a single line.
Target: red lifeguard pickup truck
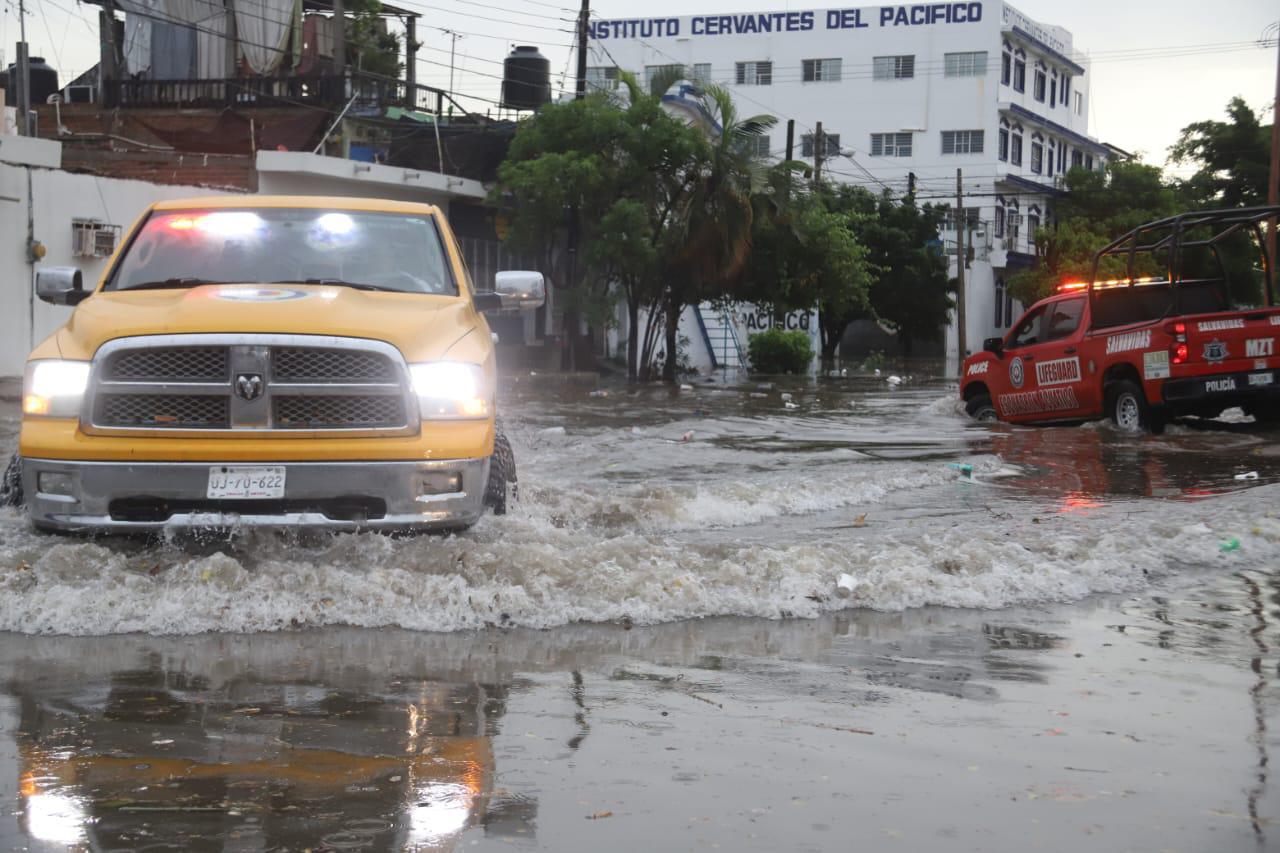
[(1194, 337)]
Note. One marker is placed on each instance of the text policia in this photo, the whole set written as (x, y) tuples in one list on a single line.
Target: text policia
[(790, 22)]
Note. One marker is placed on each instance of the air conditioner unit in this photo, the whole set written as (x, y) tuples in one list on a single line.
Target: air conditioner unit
[(92, 238)]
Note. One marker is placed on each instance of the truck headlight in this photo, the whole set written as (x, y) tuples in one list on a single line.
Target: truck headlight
[(54, 388), (451, 389)]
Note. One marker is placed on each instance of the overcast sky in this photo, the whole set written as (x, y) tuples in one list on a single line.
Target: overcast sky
[(1138, 103)]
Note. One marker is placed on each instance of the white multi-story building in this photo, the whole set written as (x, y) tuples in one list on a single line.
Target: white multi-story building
[(906, 96)]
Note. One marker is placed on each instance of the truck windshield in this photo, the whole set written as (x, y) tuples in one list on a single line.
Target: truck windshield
[(366, 250)]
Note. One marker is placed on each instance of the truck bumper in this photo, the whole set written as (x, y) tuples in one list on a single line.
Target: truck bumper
[(1222, 390), (141, 497)]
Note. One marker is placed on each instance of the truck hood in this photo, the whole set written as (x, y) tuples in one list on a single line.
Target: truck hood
[(423, 327)]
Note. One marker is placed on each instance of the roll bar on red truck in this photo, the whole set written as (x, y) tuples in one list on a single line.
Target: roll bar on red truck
[(1186, 325)]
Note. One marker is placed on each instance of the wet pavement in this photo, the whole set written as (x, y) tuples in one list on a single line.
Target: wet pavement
[(1055, 639)]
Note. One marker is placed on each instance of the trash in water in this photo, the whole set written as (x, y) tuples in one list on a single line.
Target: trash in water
[(688, 436), (1230, 545), (786, 397), (758, 395), (599, 815), (860, 521), (845, 585), (635, 430), (894, 380), (790, 405), (600, 393), (686, 387), (552, 431), (1250, 475), (877, 371), (964, 468)]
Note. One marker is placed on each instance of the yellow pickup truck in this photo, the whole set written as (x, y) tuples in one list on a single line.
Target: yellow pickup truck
[(269, 361)]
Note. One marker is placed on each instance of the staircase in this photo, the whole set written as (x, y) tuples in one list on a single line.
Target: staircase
[(720, 336)]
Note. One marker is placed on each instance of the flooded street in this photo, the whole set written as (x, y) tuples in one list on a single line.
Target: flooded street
[(1050, 638)]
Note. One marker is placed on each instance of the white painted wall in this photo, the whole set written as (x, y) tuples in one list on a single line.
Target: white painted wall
[(58, 198)]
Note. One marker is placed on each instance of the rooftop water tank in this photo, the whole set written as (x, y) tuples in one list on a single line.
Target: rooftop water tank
[(44, 82), (526, 79)]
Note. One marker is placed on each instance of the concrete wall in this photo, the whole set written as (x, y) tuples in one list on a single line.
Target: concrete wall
[(58, 198)]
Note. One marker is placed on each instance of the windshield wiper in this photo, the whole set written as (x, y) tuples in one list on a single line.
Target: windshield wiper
[(171, 283), (336, 282)]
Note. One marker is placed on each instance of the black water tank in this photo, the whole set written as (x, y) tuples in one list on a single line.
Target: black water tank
[(526, 79), (44, 82)]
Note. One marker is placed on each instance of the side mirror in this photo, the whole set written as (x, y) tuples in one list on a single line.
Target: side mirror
[(60, 286), (994, 345), (514, 290)]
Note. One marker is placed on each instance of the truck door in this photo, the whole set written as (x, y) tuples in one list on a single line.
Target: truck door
[(1044, 364), (1059, 372)]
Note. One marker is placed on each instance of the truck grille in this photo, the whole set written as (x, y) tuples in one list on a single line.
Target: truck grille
[(295, 364), (165, 411), (338, 412), (179, 364), (198, 382)]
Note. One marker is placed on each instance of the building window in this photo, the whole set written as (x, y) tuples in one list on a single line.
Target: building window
[(760, 146), (1012, 225), (1033, 225), (702, 72), (1037, 154), (1003, 152), (969, 64), (1006, 65), (890, 145), (1020, 71), (603, 78), (1038, 91), (833, 144), (1053, 89), (1079, 103), (962, 141), (893, 67), (1053, 157), (1077, 158), (999, 220), (651, 72), (972, 218), (999, 301), (1062, 156), (1088, 162), (821, 70), (1015, 146), (1065, 91), (753, 73)]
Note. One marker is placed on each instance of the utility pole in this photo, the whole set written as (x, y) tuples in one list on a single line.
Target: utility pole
[(962, 222), (791, 138), (911, 186), (1273, 186), (819, 152), (453, 48), (340, 41), (23, 73), (584, 21)]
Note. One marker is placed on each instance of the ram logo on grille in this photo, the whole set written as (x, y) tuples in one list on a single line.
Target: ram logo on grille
[(248, 386)]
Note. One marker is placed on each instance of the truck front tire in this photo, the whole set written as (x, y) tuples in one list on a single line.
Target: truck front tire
[(11, 485), (502, 475), (981, 409)]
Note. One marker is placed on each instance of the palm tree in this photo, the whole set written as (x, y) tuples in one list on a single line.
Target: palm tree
[(715, 244)]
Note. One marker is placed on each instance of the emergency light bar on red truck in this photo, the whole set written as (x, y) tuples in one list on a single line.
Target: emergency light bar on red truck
[(1188, 326)]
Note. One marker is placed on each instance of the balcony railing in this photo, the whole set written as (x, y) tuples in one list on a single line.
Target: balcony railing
[(369, 90)]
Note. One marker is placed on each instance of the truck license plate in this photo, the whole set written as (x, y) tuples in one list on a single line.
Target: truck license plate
[(246, 483)]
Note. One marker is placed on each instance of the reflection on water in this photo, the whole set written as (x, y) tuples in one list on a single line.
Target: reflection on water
[(203, 753)]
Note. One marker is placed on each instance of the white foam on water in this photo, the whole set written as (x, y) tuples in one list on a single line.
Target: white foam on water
[(524, 570)]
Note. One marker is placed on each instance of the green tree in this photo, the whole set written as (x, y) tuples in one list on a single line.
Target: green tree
[(910, 291), (370, 47), (713, 244), (1233, 157), (1097, 208), (806, 254)]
